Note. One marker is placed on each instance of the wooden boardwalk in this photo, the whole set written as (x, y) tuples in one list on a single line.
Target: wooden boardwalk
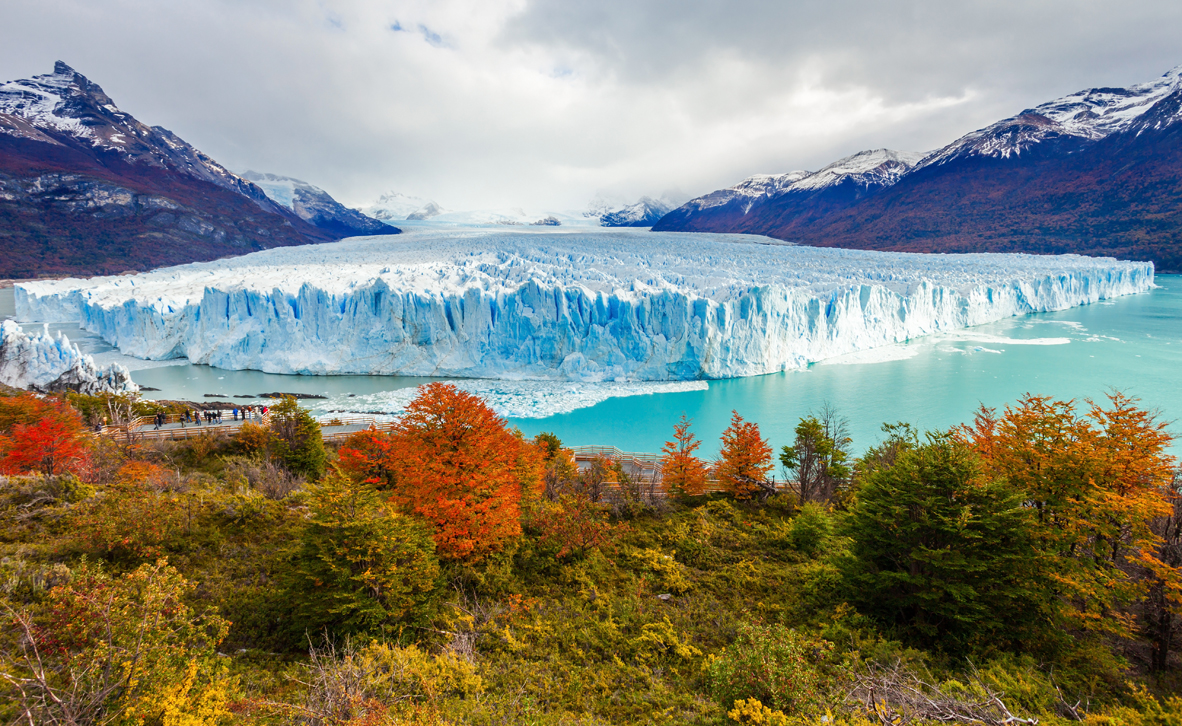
[(145, 429)]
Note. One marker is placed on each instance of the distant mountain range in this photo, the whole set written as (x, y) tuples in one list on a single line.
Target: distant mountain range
[(395, 206), (85, 188), (1098, 172), (643, 213), (602, 212)]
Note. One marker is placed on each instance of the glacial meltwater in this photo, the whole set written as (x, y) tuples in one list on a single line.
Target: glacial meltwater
[(1132, 344)]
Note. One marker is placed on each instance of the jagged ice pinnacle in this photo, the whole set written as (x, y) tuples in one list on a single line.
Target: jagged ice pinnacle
[(52, 363)]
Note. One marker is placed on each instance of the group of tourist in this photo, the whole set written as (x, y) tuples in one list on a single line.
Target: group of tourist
[(247, 413)]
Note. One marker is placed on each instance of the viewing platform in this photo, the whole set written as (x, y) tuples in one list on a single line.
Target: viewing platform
[(337, 428)]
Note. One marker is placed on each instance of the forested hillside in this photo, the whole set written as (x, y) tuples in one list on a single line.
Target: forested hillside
[(1023, 568)]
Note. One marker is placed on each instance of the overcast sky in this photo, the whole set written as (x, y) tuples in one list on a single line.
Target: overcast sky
[(544, 103)]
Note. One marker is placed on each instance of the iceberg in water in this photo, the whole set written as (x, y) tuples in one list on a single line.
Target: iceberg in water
[(47, 363), (577, 305)]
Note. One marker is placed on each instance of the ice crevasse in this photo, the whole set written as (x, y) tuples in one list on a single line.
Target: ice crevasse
[(581, 305)]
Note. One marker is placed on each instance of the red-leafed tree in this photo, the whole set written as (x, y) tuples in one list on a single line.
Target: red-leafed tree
[(453, 462), (745, 459), (681, 470), (21, 409), (41, 435), (573, 525)]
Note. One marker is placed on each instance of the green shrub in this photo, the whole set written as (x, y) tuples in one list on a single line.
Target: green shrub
[(125, 650), (361, 567), (297, 440), (783, 669), (944, 554), (811, 529)]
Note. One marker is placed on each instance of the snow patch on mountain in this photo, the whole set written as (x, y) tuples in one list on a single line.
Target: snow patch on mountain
[(47, 363), (281, 189), (536, 304), (38, 99)]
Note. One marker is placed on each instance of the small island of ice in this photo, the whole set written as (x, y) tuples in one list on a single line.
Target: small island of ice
[(578, 305)]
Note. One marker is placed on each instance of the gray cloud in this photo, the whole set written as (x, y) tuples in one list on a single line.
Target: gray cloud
[(544, 102)]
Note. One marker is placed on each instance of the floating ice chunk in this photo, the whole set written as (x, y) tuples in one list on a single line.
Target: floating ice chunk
[(511, 399)]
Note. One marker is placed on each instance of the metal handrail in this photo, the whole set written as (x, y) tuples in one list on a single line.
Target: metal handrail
[(614, 453)]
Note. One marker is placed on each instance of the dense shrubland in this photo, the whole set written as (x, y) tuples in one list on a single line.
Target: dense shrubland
[(1022, 568)]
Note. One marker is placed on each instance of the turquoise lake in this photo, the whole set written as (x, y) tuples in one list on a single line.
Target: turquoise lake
[(1133, 344)]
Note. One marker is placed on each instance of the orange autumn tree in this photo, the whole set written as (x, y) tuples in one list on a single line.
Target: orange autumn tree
[(453, 462), (1095, 482), (43, 435), (681, 470), (745, 459)]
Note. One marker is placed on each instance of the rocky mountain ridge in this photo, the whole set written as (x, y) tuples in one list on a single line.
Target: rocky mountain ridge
[(316, 206), (798, 194), (85, 188)]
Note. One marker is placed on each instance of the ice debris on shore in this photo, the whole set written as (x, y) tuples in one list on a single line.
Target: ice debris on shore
[(47, 363)]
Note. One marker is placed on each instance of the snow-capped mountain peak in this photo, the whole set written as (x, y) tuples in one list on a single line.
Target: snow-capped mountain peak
[(66, 107), (614, 212), (399, 206), (873, 169), (56, 100), (876, 167), (1097, 112), (1086, 115)]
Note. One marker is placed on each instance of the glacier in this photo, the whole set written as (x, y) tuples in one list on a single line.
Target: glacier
[(52, 363), (548, 304)]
